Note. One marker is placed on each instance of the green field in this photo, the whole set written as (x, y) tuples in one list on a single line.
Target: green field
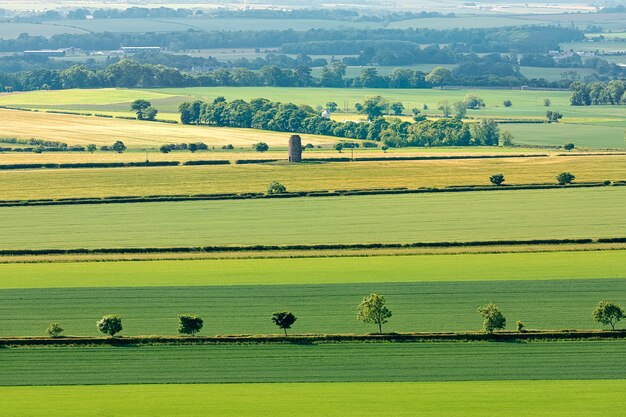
[(317, 271), (443, 399), (71, 183), (470, 216), (582, 135), (345, 362)]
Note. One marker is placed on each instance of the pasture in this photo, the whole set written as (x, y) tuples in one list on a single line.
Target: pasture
[(446, 399), (346, 362), (465, 216), (103, 182)]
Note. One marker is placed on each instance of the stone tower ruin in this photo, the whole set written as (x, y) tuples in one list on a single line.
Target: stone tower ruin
[(295, 148)]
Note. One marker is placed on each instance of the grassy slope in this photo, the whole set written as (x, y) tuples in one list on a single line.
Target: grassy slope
[(317, 271), (358, 362), (443, 399), (35, 184), (582, 135), (84, 130), (331, 308), (502, 215)]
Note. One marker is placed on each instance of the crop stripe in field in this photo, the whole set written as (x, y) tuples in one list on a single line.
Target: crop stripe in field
[(318, 193), (246, 248)]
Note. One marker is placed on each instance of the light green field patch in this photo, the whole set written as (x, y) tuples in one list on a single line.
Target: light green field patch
[(78, 97), (349, 270), (443, 399)]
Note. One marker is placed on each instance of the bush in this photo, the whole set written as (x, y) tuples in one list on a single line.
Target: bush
[(497, 179), (228, 147), (547, 102), (506, 138), (519, 326), (118, 146), (189, 324), (507, 103), (54, 330), (569, 146), (110, 325), (261, 147), (565, 178), (276, 188), (493, 318), (385, 148)]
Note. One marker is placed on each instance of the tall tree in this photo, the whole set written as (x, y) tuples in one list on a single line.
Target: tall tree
[(373, 310)]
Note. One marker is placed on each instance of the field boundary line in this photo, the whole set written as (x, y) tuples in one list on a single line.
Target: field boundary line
[(298, 194), (263, 248), (501, 336)]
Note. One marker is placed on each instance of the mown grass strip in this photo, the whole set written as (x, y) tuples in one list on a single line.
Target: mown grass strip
[(344, 362), (440, 217), (530, 398)]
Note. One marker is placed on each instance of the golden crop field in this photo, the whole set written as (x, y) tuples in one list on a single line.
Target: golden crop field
[(102, 182), (83, 130)]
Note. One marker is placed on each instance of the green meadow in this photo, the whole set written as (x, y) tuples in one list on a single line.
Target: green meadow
[(433, 217), (405, 399)]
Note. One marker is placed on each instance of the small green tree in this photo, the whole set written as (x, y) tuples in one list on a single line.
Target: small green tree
[(110, 325), (165, 148), (565, 178), (547, 102), (189, 324), (493, 319), (373, 310), (91, 148), (473, 101), (507, 103), (553, 116), (506, 138), (276, 188), (384, 148), (119, 146), (139, 107), (261, 147), (609, 313), (519, 326), (461, 109), (396, 108), (150, 113), (497, 179), (331, 106), (445, 107), (569, 146), (339, 147), (54, 330), (284, 320)]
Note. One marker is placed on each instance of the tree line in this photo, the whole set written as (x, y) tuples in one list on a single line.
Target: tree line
[(520, 39), (372, 309), (613, 92), (264, 114)]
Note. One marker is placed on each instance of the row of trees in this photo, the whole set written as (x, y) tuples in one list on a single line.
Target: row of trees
[(372, 309), (263, 114), (613, 92)]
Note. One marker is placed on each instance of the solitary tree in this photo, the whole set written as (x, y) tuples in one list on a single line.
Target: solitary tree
[(565, 178), (396, 108), (119, 146), (339, 147), (569, 146), (461, 109), (110, 325), (284, 320), (189, 324), (331, 106), (493, 318), (609, 313), (507, 103), (384, 148), (91, 148), (497, 179), (139, 107), (54, 330), (445, 107), (547, 102), (261, 147), (276, 188), (506, 138), (373, 310), (519, 326)]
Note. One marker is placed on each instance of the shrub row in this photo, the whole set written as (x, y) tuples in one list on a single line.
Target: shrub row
[(254, 161), (258, 248), (245, 196), (90, 165), (503, 336), (208, 162)]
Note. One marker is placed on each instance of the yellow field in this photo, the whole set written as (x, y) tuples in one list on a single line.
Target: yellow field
[(83, 130), (64, 183)]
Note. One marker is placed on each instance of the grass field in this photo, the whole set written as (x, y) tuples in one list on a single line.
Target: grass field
[(66, 183), (443, 399), (529, 214), (358, 362), (582, 135), (439, 306)]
